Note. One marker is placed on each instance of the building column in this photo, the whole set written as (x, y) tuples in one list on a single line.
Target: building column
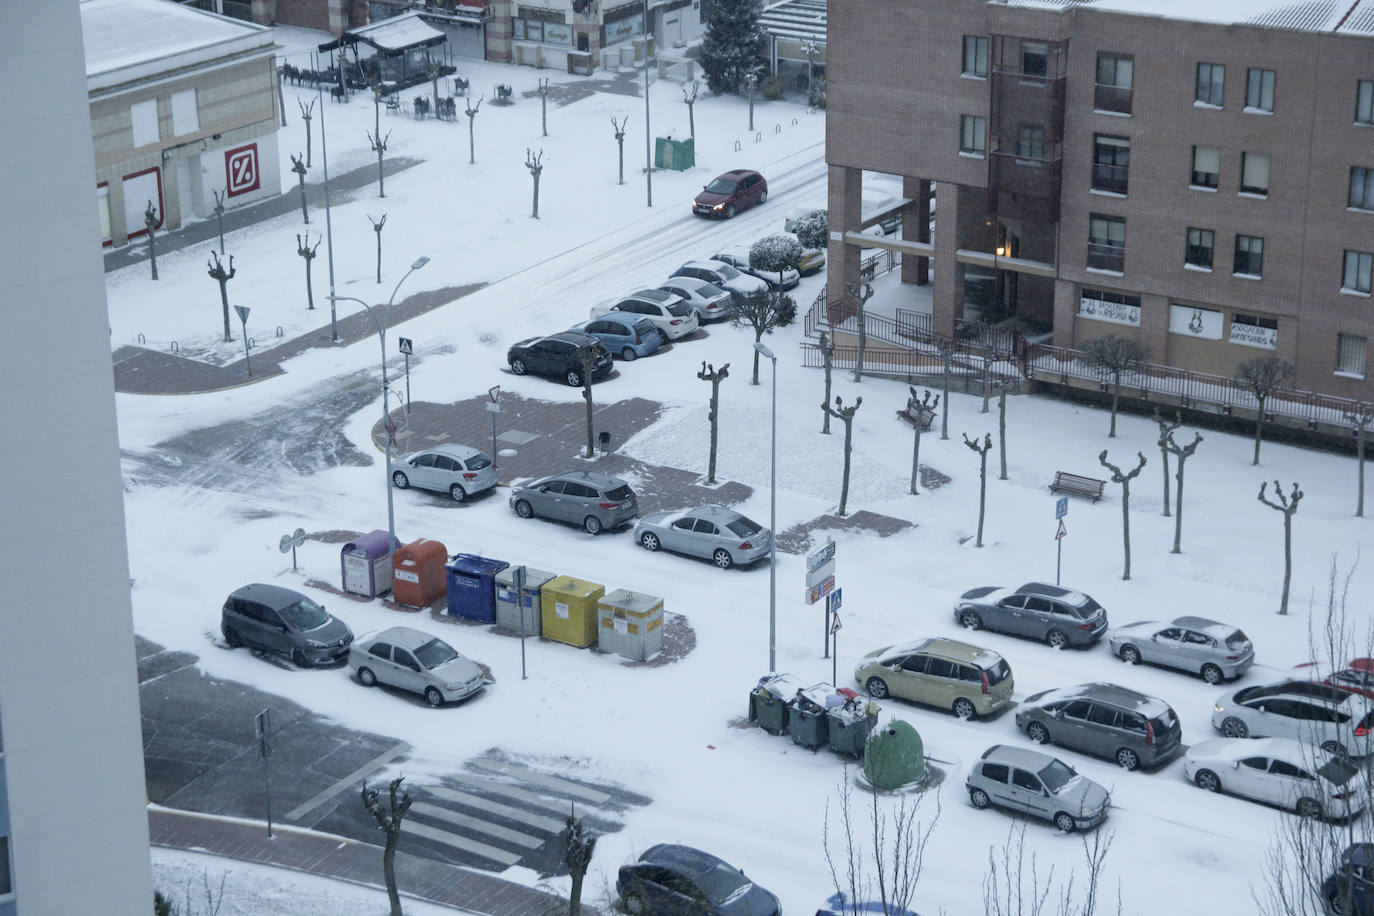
[(947, 299), (916, 228), (846, 212), (1065, 311), (1154, 327)]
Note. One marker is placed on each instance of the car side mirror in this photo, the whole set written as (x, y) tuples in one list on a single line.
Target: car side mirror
[(1058, 713), (1235, 764)]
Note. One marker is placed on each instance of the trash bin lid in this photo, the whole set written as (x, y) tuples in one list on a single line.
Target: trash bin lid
[(534, 578), (627, 600), (474, 565), (782, 686)]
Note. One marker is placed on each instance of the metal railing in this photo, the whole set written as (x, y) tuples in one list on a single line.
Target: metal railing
[(870, 268)]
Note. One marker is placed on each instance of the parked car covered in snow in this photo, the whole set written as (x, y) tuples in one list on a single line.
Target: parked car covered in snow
[(1061, 617), (723, 275), (738, 258), (710, 301), (1333, 719), (1027, 782), (721, 535), (1279, 771), (673, 317), (1103, 719)]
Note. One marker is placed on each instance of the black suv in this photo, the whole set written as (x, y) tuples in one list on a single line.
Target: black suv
[(559, 356)]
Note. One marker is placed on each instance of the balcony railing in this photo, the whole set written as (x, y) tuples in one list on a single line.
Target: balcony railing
[(1110, 177), (1112, 98), (1106, 257)]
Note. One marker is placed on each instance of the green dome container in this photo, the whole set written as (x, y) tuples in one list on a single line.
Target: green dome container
[(894, 756)]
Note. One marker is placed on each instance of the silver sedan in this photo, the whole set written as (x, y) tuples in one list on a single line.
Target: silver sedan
[(715, 532), (415, 661), (1217, 651)]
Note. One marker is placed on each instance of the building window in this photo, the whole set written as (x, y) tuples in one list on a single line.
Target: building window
[(185, 117), (1259, 90), (1254, 173), (553, 33), (1106, 242), (975, 56), (143, 116), (973, 134), (1114, 81), (1206, 166), (1362, 188), (1211, 82), (1035, 58), (1350, 354), (1358, 267), (1201, 244), (1364, 103), (1030, 142), (1249, 256), (1111, 162)]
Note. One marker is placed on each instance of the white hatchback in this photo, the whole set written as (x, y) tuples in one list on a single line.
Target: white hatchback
[(1278, 771), (669, 313), (458, 470)]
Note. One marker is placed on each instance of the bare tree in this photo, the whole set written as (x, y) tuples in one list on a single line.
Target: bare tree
[(986, 338), (1013, 886), (377, 143), (690, 98), (1002, 387), (150, 220), (827, 362), (1116, 356), (1183, 453), (982, 448), (377, 228), (535, 165), (715, 376), (1360, 418), (389, 818), (577, 855), (1288, 505), (586, 362), (219, 215), (860, 296), (1263, 377), (222, 277), (306, 251), (761, 311), (307, 111), (434, 71), (1165, 428), (1124, 478), (846, 415), (619, 130), (946, 348), (298, 166), (918, 409), (471, 112), (543, 91)]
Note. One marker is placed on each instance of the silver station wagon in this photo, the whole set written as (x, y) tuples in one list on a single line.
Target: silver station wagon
[(1103, 719), (1217, 651), (1033, 784)]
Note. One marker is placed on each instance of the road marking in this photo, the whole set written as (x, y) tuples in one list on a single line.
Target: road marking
[(538, 821), (510, 791), (375, 763), (553, 782), (477, 825), (445, 838)]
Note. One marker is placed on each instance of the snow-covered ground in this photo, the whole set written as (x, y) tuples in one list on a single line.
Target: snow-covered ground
[(671, 732)]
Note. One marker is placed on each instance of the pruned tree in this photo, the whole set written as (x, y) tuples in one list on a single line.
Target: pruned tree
[(375, 84), (881, 860), (222, 277), (1124, 478), (535, 165), (307, 112), (775, 254), (377, 228), (1165, 428), (689, 95), (827, 363), (307, 252), (1360, 418), (985, 336), (1288, 505), (1115, 356), (389, 818), (917, 408), (845, 415), (715, 376), (946, 347), (298, 166), (982, 448), (1002, 387), (586, 362), (813, 229), (377, 143), (433, 71), (219, 215), (734, 45), (619, 130), (1013, 886), (150, 221), (471, 112), (859, 295), (762, 311), (543, 91), (1182, 453), (577, 855), (1263, 377)]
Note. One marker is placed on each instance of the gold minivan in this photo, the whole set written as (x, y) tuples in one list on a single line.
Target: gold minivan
[(952, 675)]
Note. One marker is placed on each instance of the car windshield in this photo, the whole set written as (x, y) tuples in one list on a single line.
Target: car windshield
[(998, 673), (680, 309), (435, 653), (728, 272), (1337, 771), (1349, 676), (305, 615), (621, 492), (1056, 775), (478, 461), (1237, 640), (710, 290), (744, 527), (721, 186), (721, 883)]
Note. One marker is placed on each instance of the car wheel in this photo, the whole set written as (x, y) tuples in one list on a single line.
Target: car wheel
[(979, 799), (722, 558), (591, 524), (763, 198), (1335, 747), (458, 493), (522, 508), (1308, 808), (1127, 759), (232, 637), (971, 621), (730, 212), (1208, 780), (1130, 655), (1337, 903), (649, 540), (1232, 727), (629, 355), (1038, 733), (400, 479), (877, 688), (964, 709), (366, 677), (433, 697), (1064, 821), (517, 366), (1212, 674), (298, 659), (1057, 639), (574, 378)]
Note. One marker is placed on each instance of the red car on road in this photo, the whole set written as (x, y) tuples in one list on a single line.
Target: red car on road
[(731, 192)]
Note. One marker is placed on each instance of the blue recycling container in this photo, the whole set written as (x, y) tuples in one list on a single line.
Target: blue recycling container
[(472, 586)]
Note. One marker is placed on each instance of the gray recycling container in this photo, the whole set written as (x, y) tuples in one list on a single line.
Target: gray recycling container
[(807, 720), (851, 723), (508, 615), (768, 702)]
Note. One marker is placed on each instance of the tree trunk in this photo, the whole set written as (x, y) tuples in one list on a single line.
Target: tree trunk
[(307, 143), (575, 896), (715, 406), (1359, 456), (309, 292), (1164, 460), (1002, 429), (982, 495), (1126, 526), (691, 122), (825, 424), (987, 373), (544, 111), (381, 178), (152, 251), (620, 141), (1287, 560), (281, 99), (758, 336), (863, 340), (536, 197), (1116, 396), (472, 140), (389, 870), (1259, 429), (915, 455), (844, 486), (587, 395), (944, 420), (1178, 514), (224, 300)]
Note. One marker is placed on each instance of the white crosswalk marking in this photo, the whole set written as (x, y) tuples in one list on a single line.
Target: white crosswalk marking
[(467, 799), (460, 842), (476, 825), (496, 787), (567, 787)]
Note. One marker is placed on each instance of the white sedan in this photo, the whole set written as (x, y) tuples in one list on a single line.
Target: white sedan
[(1278, 771)]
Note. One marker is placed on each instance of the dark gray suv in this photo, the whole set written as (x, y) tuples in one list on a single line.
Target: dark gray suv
[(276, 619), (1059, 616), (1105, 720)]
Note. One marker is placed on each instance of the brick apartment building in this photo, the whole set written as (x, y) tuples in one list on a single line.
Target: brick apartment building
[(1199, 176)]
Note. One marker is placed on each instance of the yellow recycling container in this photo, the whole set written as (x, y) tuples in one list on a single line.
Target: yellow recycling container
[(631, 623), (568, 610)]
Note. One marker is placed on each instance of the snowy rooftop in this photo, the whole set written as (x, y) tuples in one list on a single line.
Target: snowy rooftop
[(395, 34), (1349, 17)]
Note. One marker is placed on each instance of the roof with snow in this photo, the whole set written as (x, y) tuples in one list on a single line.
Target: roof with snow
[(1345, 17), (392, 36), (803, 20)]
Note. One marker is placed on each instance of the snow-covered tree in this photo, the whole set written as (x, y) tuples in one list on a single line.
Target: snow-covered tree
[(1124, 478), (813, 229), (775, 253), (761, 311), (734, 46), (1116, 356)]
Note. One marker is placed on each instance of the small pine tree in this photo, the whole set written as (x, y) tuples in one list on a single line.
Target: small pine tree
[(734, 47)]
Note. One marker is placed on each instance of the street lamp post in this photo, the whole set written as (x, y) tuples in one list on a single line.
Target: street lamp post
[(648, 148), (386, 396), (772, 518)]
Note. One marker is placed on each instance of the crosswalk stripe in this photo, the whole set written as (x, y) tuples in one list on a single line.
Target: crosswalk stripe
[(565, 786), (477, 825), (504, 788), (539, 821), (460, 842)]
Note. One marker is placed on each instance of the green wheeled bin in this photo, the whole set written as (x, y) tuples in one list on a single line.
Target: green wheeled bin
[(768, 702), (851, 722)]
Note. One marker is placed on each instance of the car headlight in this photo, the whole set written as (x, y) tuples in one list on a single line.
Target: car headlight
[(1217, 707), (718, 207), (453, 686)]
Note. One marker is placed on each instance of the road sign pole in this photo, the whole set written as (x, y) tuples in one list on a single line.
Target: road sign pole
[(407, 384), (518, 580), (262, 725), (1059, 558)]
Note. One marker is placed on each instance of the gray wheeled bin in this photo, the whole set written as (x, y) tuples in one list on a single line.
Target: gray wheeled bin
[(807, 720), (768, 702), (850, 723), (509, 614)]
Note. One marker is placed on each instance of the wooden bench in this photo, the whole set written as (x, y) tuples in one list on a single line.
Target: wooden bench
[(925, 418), (1078, 485)]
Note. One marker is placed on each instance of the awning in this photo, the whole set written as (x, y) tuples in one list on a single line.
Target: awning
[(391, 36)]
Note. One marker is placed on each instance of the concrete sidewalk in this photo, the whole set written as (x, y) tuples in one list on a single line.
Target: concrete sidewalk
[(347, 860)]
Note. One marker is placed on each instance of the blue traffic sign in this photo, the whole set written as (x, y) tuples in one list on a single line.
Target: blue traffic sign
[(1061, 507)]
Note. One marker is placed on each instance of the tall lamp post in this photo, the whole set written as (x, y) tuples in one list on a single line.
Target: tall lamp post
[(772, 518), (648, 150), (386, 396)]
